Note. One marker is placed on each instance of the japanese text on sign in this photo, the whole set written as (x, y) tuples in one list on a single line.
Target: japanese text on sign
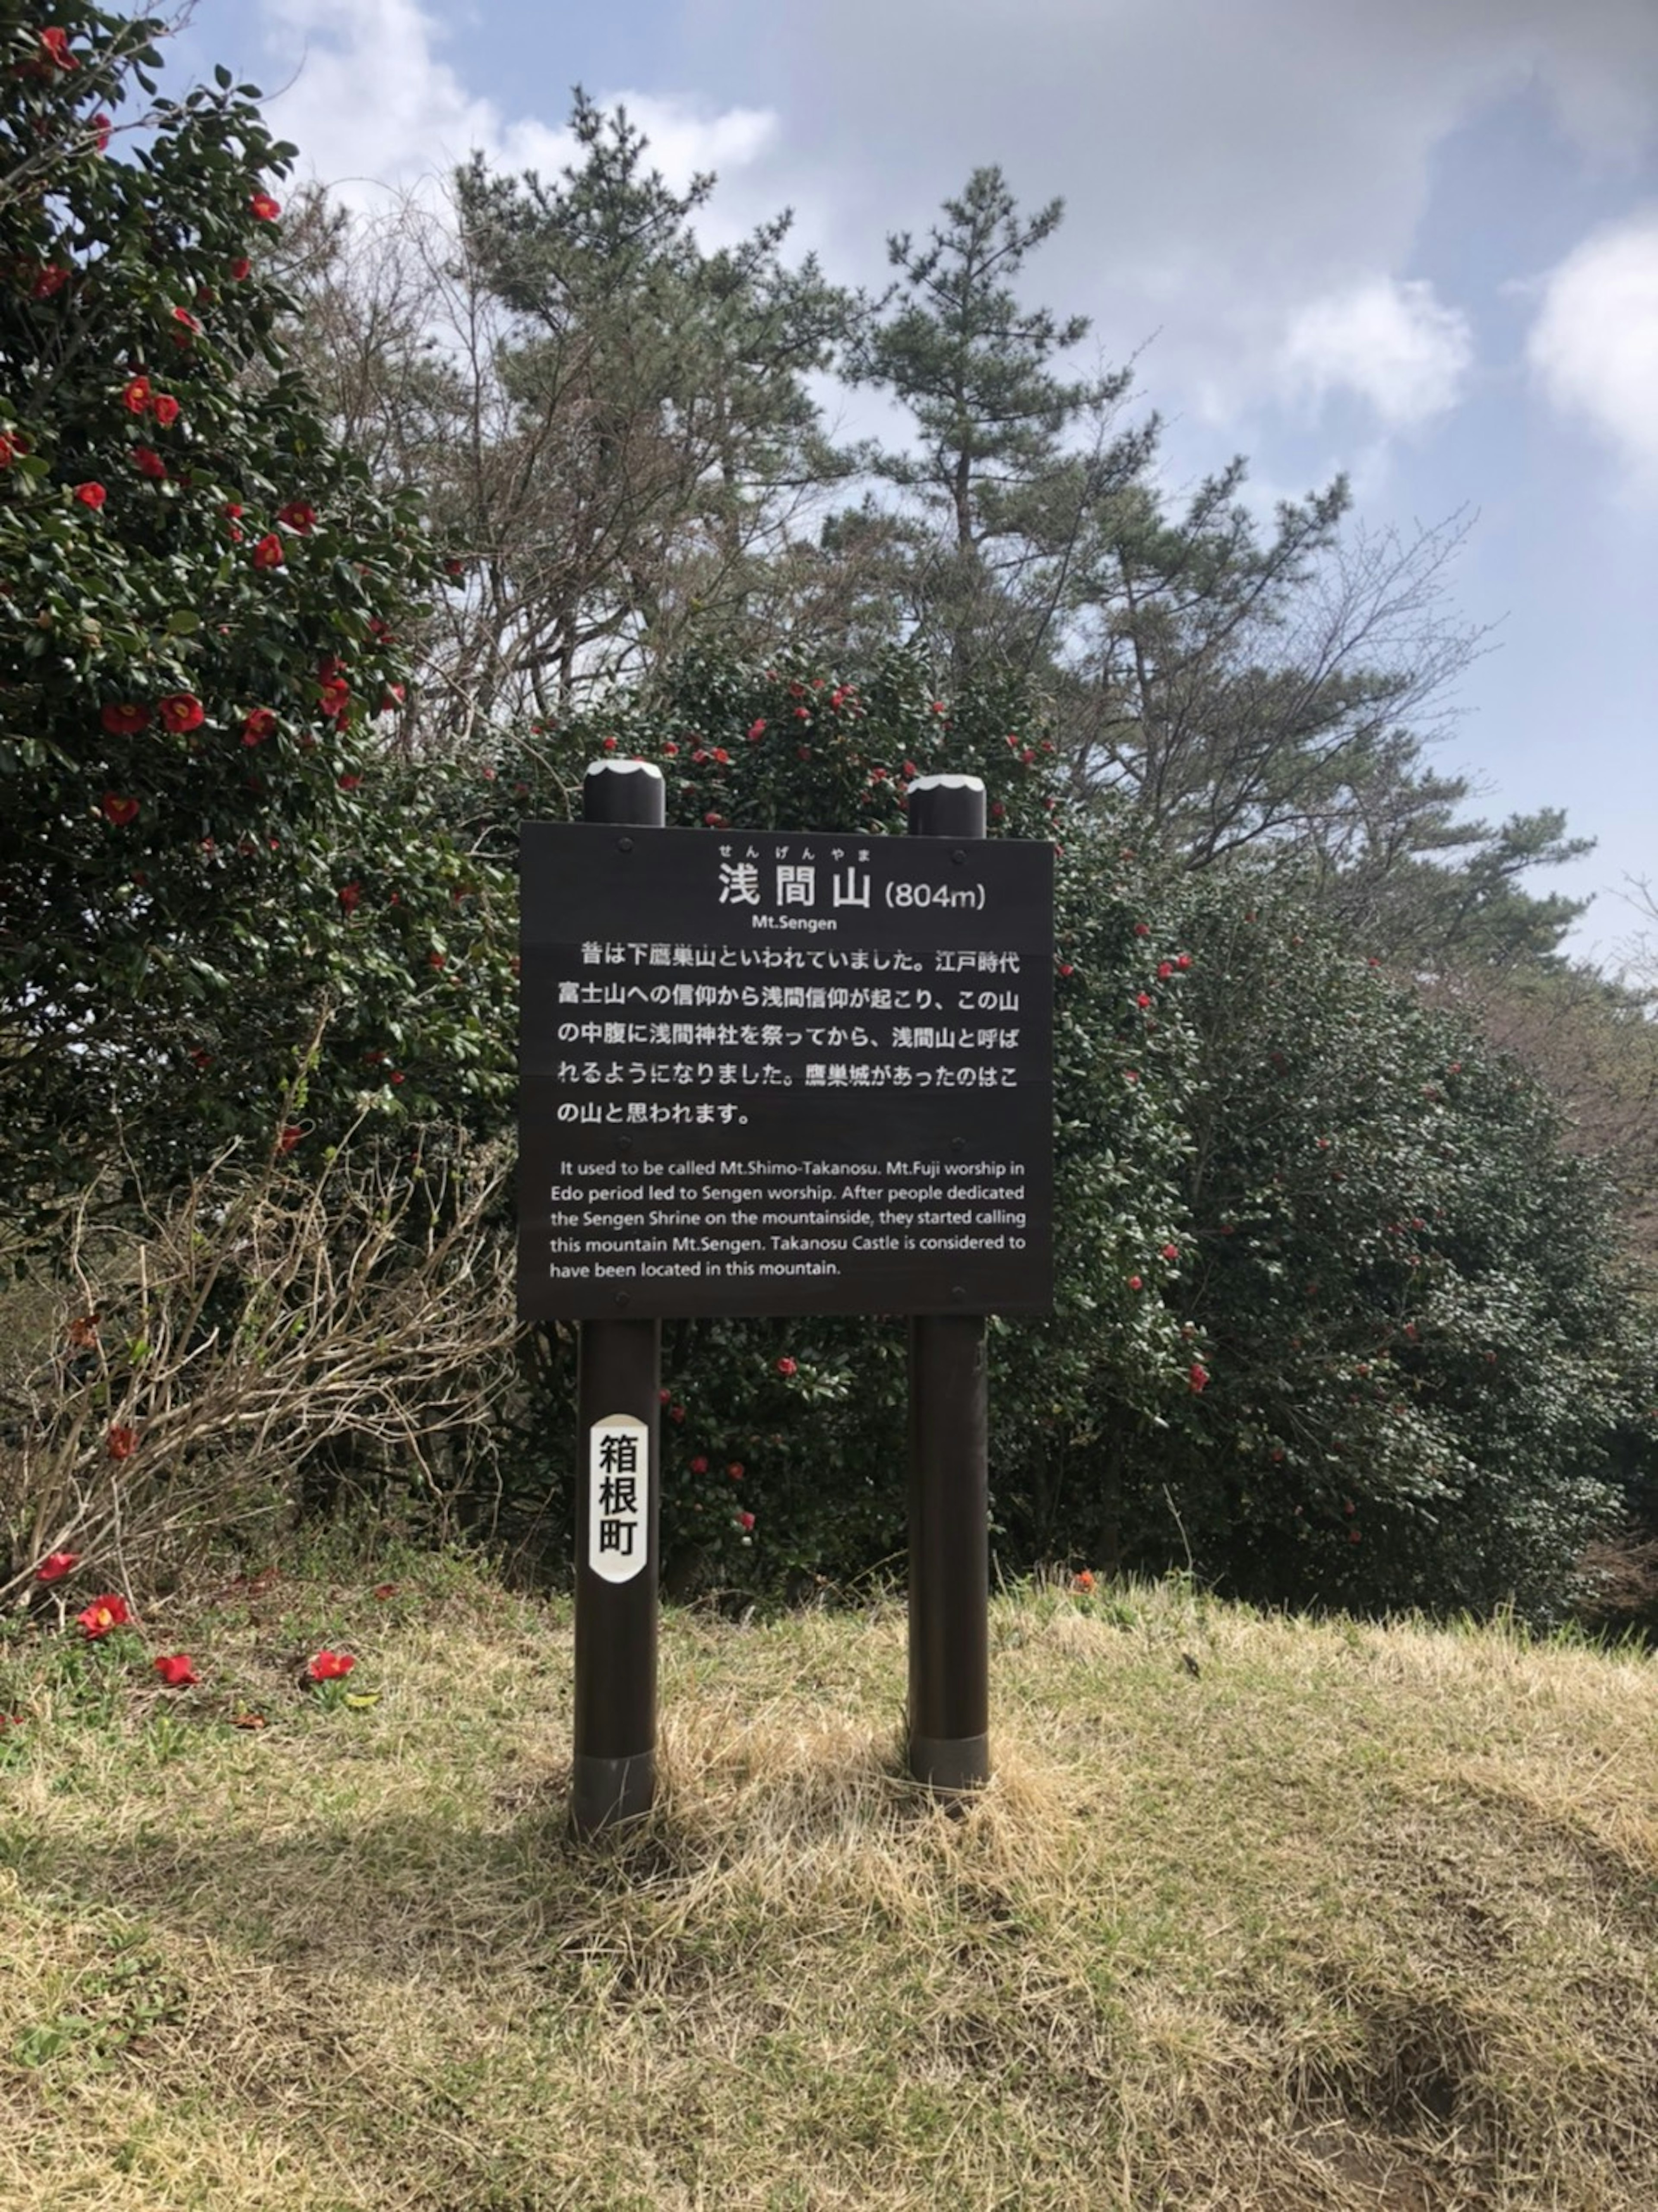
[(618, 1500), (784, 1074)]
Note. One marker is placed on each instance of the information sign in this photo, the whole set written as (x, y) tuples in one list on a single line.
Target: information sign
[(783, 1073)]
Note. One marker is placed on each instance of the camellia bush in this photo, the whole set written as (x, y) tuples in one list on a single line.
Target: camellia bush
[(201, 847), (1338, 1319)]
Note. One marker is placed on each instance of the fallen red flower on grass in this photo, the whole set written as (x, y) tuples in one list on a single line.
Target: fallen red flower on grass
[(178, 1671), (56, 1565), (103, 1614), (330, 1666)]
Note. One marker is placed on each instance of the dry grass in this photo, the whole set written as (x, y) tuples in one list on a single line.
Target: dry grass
[(1350, 1917)]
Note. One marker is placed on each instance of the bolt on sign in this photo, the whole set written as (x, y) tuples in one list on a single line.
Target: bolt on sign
[(783, 1074), (618, 1483)]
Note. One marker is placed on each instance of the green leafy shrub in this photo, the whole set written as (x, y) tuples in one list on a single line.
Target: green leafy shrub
[(1337, 1318), (199, 845)]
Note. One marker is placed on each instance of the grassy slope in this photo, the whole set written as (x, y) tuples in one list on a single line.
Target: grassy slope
[(1351, 1916)]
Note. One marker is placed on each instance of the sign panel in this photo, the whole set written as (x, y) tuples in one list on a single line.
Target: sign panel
[(618, 1496), (783, 1073)]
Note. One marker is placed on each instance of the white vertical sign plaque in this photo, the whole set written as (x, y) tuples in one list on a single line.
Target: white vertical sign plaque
[(618, 1496)]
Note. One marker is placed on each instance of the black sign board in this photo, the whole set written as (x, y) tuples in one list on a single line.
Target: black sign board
[(783, 1073)]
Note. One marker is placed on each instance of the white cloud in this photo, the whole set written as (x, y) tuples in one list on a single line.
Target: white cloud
[(1223, 164), (419, 121), (1393, 343), (1593, 346)]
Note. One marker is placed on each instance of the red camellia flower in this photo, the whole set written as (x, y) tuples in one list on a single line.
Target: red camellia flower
[(1165, 969), (179, 1671), (676, 1412), (259, 724), (165, 408), (735, 1470), (1182, 960), (50, 281), (1197, 1374), (180, 711), (1142, 929), (268, 553), (121, 1442), (756, 729), (263, 208), (9, 450), (136, 395), (148, 463), (746, 1521), (125, 720), (334, 698), (91, 494), (348, 783), (55, 44), (188, 325), (1065, 967), (714, 821), (786, 1366), (53, 1568), (241, 269), (1084, 1581), (1171, 1251), (120, 811), (1142, 999), (330, 1666), (349, 894), (1136, 1283), (101, 125), (699, 1465), (299, 515), (103, 1614)]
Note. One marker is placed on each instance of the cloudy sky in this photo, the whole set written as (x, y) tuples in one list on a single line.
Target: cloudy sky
[(1416, 241)]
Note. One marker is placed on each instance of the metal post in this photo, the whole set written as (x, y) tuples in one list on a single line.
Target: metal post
[(948, 1717), (614, 1771)]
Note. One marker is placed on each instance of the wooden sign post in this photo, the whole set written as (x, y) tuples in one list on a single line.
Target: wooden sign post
[(782, 1072), (948, 1720)]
